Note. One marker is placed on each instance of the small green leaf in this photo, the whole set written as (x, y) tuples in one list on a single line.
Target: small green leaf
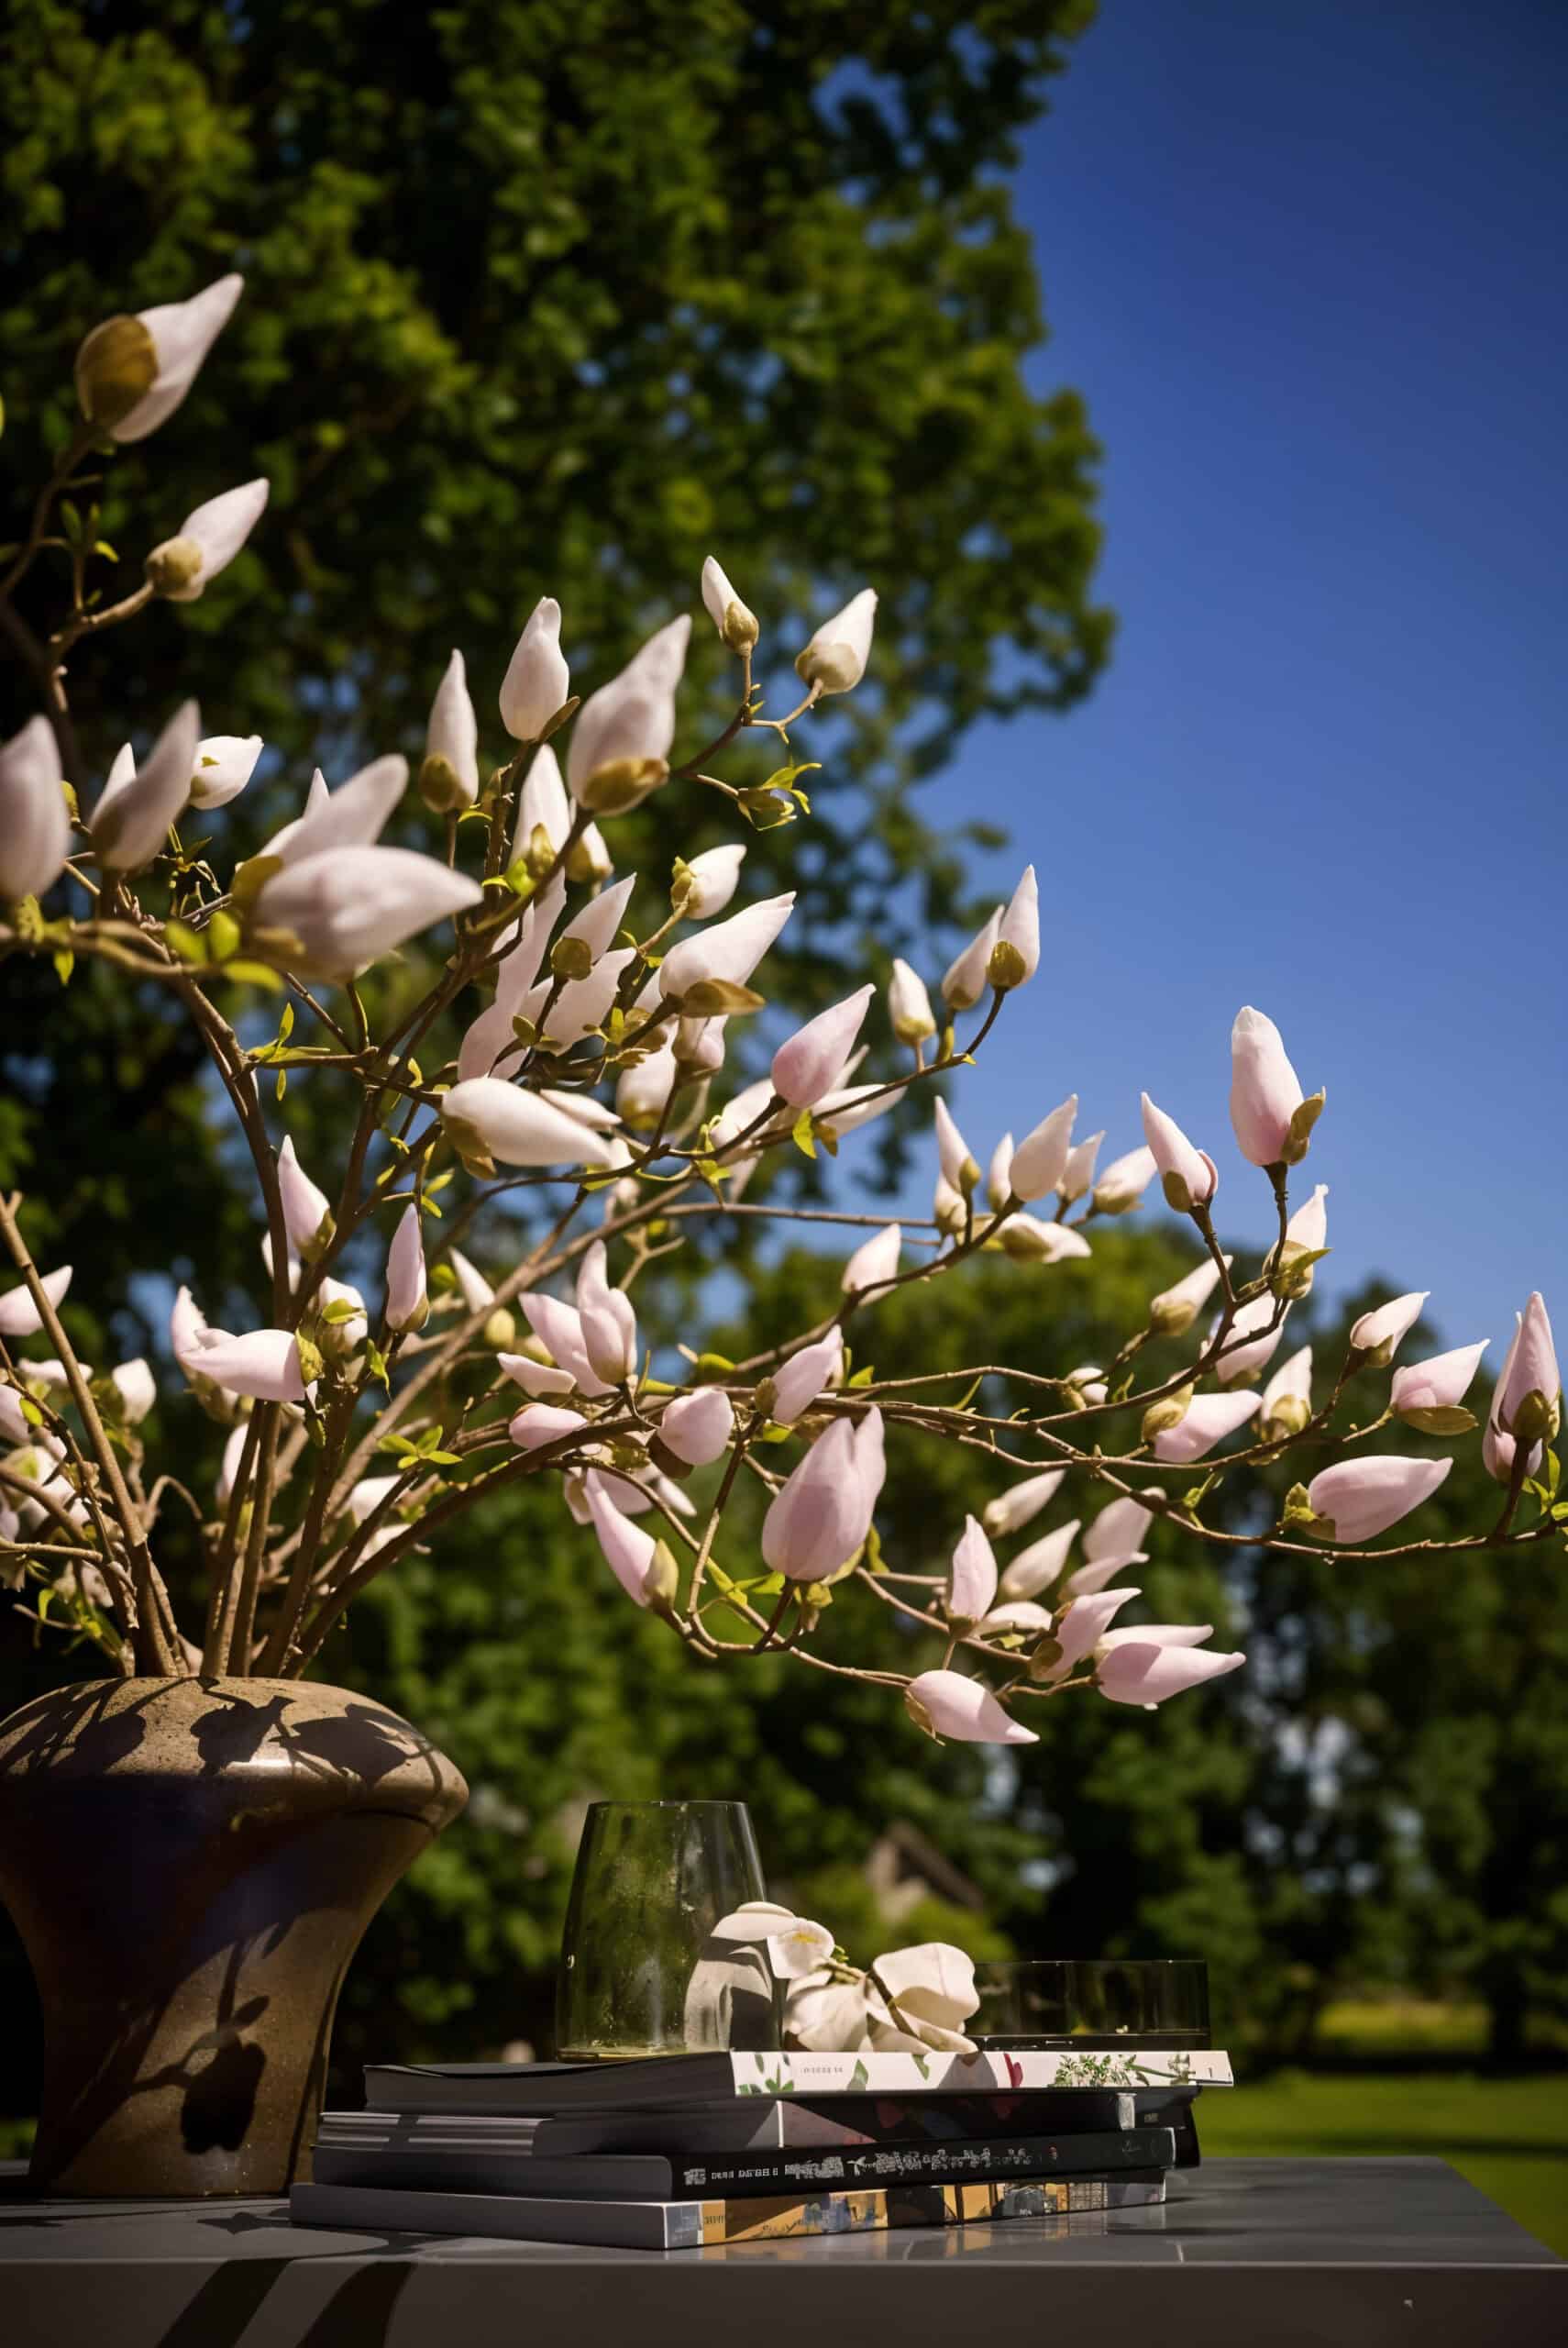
[(64, 963), (254, 974), (186, 943), (223, 937), (801, 1134)]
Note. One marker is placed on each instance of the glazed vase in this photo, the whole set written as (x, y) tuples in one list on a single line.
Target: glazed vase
[(191, 1864)]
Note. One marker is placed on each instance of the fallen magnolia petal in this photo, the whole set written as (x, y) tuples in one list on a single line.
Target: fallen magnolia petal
[(1015, 1507), (1147, 1673), (875, 1262), (34, 825), (835, 660), (972, 1578), (488, 1119), (1036, 1567), (929, 1987), (225, 764), (946, 1703), (1209, 1418), (1357, 1498), (262, 1363), (339, 911), (132, 820), (697, 1427), (19, 1316)]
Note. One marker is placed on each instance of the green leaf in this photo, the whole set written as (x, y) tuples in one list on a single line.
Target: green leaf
[(64, 963), (801, 1134), (188, 944), (254, 974), (223, 937)]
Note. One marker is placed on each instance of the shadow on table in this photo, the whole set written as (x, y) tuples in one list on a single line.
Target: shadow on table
[(356, 2316)]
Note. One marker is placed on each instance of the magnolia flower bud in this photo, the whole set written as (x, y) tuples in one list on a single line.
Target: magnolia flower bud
[(736, 625), (821, 1517), (705, 885), (965, 979), (1176, 1309), (948, 1211), (1147, 1670), (1124, 1181), (1430, 1394), (307, 1216), (998, 1175), (909, 1006), (1078, 1173), (1189, 1176), (960, 1170), (206, 542), (697, 1427), (449, 780), (1160, 1417), (225, 764), (543, 807), (625, 730), (1266, 1092), (335, 913), (134, 1383), (1286, 1405), (875, 1262), (537, 681), (1037, 1567), (835, 660), (539, 1423), (641, 1092), (1526, 1403), (795, 1383), (811, 1062), (1209, 1418), (488, 1120), (354, 815), (558, 1327), (698, 1045), (588, 859), (1117, 1530), (408, 1301), (1015, 957), (1252, 1341), (34, 825), (608, 1321), (264, 1363), (1029, 1241), (132, 819), (972, 1579), (1040, 1161), (1378, 1334), (133, 373), (536, 1378), (945, 1703), (727, 953), (1012, 1510), (1081, 1627), (1356, 1499), (342, 1322)]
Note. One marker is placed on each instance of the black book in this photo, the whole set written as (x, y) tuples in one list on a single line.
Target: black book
[(461, 2165)]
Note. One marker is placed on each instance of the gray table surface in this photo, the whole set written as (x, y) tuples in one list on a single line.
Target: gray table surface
[(1245, 2252)]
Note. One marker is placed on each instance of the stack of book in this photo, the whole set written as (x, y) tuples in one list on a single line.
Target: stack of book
[(685, 2151)]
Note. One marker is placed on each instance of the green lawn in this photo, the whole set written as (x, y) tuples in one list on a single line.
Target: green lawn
[(1508, 2137)]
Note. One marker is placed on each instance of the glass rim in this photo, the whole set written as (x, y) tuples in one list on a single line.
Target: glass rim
[(663, 1803), (1085, 1964)]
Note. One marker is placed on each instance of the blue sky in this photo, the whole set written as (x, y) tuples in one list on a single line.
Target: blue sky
[(1304, 262)]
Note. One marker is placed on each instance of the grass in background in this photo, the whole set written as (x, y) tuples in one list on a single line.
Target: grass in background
[(1509, 2137)]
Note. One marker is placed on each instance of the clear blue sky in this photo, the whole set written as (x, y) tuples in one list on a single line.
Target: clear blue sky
[(1306, 263)]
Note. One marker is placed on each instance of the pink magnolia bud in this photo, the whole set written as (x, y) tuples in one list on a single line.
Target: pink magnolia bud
[(538, 1424), (1264, 1090), (543, 804), (351, 816), (909, 1006), (476, 1291), (736, 625), (1177, 1308), (559, 1328), (972, 1580), (842, 1113), (1015, 957), (1380, 1333), (1018, 1614), (1530, 1369), (710, 881), (137, 1388), (965, 980), (960, 1168), (1288, 1398), (1040, 1160), (1209, 1418), (641, 1092), (797, 1382), (1124, 1181), (1036, 1567), (729, 951), (945, 1703), (1021, 1503), (340, 1337), (608, 1321), (490, 1120), (408, 1302), (1084, 1624), (1252, 1340), (225, 764), (1163, 1635), (449, 780), (1439, 1383), (998, 1175), (1309, 1227), (187, 1330), (307, 1213), (206, 542), (264, 1363), (1148, 1671), (348, 906), (622, 737), (738, 1116), (130, 823), (228, 1469), (821, 1515), (697, 1427), (19, 1315), (811, 1062), (1029, 1241), (536, 1378), (1189, 1176), (1361, 1498), (1078, 1173), (835, 660), (1116, 1529), (181, 334), (875, 1262), (537, 681), (35, 827), (629, 1551)]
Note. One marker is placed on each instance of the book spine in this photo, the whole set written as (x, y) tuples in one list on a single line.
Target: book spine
[(910, 2205), (995, 2160)]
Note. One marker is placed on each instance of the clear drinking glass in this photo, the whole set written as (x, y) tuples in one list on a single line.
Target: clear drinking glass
[(652, 1881), (1093, 2002)]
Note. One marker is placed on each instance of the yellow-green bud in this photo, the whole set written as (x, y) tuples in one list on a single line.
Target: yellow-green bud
[(540, 857), (740, 631), (833, 666), (1168, 1412), (1178, 1195), (662, 1580), (500, 1330), (1534, 1418), (1007, 967), (719, 998), (440, 786), (571, 958), (1046, 1659), (1289, 1415), (115, 368), (624, 783), (176, 564)]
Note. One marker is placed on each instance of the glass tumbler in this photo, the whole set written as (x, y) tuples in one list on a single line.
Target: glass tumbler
[(652, 1881)]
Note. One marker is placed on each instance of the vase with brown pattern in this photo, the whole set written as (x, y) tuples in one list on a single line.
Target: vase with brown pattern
[(191, 1864)]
